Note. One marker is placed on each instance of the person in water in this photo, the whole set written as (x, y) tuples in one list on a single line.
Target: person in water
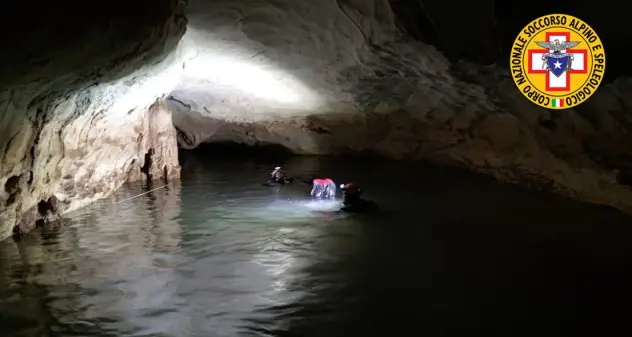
[(352, 199), (278, 176), (323, 188)]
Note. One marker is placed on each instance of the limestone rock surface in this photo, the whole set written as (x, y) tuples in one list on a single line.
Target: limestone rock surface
[(322, 77), (83, 114), (80, 108)]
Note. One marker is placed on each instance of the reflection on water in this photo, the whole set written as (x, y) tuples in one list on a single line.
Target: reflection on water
[(119, 257), (221, 255)]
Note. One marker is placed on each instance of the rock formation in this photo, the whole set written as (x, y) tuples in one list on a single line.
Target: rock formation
[(83, 115), (80, 114), (325, 77)]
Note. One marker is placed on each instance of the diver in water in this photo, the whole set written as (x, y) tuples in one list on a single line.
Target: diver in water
[(352, 201), (279, 176), (323, 188)]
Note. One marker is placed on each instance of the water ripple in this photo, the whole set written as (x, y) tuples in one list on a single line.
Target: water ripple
[(220, 255)]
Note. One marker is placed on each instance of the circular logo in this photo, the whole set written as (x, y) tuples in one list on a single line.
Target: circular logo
[(557, 61)]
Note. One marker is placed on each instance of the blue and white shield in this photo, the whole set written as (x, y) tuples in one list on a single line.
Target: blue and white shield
[(558, 63)]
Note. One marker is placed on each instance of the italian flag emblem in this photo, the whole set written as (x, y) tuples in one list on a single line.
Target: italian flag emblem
[(557, 103)]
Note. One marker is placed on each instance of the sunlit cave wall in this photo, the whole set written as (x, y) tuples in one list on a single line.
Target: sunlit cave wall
[(80, 101), (322, 77)]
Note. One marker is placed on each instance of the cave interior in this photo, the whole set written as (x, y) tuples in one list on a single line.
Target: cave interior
[(90, 55)]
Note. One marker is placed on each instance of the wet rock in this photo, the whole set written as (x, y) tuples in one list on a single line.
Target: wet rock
[(317, 77), (72, 105), (624, 176)]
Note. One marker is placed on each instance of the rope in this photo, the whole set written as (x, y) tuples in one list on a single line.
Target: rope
[(136, 196)]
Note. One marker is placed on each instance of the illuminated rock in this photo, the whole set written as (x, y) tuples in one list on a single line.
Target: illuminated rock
[(80, 113), (322, 77)]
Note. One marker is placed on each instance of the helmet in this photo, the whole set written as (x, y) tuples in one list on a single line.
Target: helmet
[(350, 187), (277, 168)]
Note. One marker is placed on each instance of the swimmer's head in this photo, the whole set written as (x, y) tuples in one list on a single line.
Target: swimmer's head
[(350, 193), (349, 187)]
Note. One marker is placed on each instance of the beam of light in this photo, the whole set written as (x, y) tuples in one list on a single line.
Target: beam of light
[(225, 71), (284, 210), (141, 94), (239, 66), (303, 208), (326, 205), (278, 252)]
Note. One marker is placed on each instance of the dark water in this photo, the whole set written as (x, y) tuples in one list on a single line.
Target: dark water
[(220, 255)]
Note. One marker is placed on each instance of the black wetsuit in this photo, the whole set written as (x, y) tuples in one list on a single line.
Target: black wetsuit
[(355, 204), (279, 177), (281, 181)]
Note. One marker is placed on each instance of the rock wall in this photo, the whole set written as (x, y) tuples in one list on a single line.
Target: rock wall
[(280, 61), (71, 160), (84, 114), (81, 115), (330, 76)]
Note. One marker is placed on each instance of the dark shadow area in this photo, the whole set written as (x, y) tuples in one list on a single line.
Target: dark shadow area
[(484, 31), (74, 45), (512, 17), (237, 150), (459, 281), (215, 153), (147, 166)]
